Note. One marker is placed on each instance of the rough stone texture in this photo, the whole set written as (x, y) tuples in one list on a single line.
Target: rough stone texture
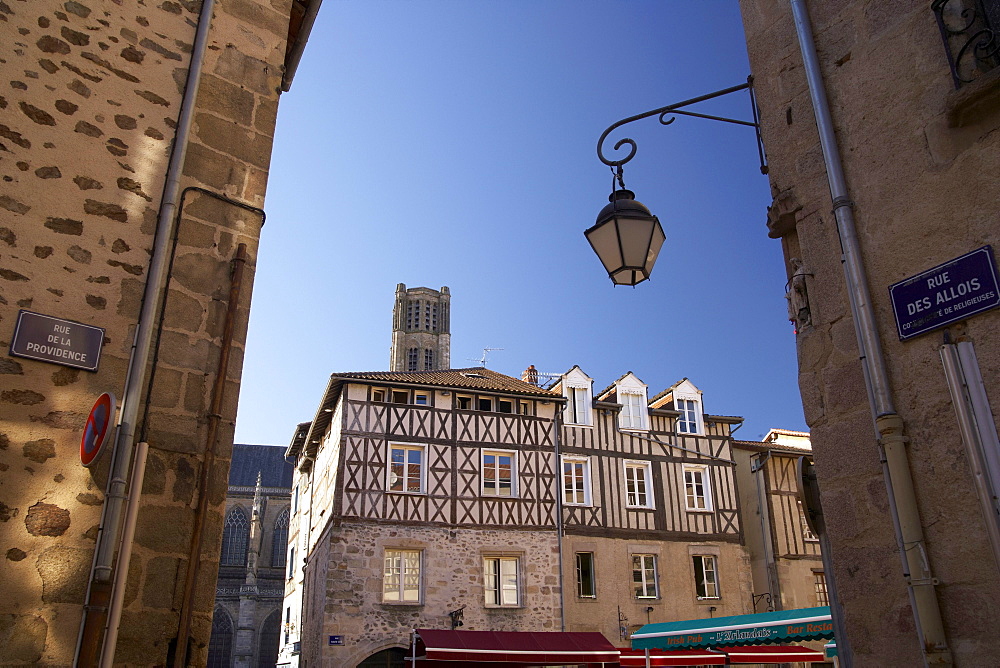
[(86, 133), (918, 158)]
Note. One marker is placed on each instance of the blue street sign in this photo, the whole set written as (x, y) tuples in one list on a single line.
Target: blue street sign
[(949, 292), (336, 640)]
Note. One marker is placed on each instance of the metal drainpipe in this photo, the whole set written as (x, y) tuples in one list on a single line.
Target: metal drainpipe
[(99, 586), (207, 468), (889, 426), (559, 521)]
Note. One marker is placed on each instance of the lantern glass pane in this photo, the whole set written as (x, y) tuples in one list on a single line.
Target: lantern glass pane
[(635, 236), (604, 240), (654, 247)]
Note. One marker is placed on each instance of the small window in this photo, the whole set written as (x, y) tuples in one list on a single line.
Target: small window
[(401, 578), (637, 484), (499, 473), (428, 359), (687, 422), (576, 481), (378, 395), (291, 562), (464, 403), (504, 406), (706, 580), (501, 574), (585, 581), (644, 575), (697, 492), (411, 359), (406, 469), (524, 408), (484, 404), (420, 398), (400, 397), (807, 533), (633, 413), (578, 406), (822, 595)]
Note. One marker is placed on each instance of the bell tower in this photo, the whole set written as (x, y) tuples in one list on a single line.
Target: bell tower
[(421, 329)]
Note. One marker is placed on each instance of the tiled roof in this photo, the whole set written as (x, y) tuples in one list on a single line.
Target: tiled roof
[(474, 378), (268, 460), (760, 446)]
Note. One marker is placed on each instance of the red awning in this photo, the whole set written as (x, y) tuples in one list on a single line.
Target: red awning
[(636, 658), (539, 649), (771, 654)]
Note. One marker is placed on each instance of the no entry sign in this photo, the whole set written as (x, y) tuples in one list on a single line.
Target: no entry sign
[(99, 422)]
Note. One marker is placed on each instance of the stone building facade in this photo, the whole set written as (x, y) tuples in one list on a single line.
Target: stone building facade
[(92, 104), (247, 620), (421, 329), (883, 170)]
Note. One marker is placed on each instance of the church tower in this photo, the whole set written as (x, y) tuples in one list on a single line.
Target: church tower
[(421, 329)]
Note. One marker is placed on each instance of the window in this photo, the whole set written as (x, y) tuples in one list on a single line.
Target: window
[(428, 359), (504, 406), (406, 468), (464, 402), (633, 413), (401, 579), (279, 540), (822, 595), (644, 575), (499, 473), (220, 644), (411, 359), (696, 489), (578, 407), (420, 398), (585, 581), (295, 498), (576, 481), (524, 408), (501, 581), (378, 395), (637, 478), (291, 562), (687, 423), (288, 623), (706, 580), (235, 538), (400, 397), (484, 404), (807, 533)]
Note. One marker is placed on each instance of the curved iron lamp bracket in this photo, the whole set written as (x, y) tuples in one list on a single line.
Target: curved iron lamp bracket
[(666, 115)]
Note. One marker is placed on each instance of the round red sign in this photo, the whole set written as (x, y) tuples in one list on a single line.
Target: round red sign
[(99, 421)]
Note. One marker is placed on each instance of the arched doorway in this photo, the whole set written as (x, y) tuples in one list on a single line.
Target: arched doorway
[(387, 658)]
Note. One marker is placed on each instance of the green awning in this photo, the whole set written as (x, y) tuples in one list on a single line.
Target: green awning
[(760, 629)]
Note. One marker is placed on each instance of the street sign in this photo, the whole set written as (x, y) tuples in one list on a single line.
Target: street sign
[(949, 292), (336, 640), (95, 432), (48, 339)]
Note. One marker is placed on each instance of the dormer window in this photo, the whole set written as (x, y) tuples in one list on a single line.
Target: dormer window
[(687, 423), (576, 387), (631, 393)]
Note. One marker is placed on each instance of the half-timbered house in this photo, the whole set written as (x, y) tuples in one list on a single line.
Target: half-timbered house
[(786, 561), (651, 513), (423, 499)]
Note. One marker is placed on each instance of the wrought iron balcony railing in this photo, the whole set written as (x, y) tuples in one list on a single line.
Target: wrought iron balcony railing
[(969, 31)]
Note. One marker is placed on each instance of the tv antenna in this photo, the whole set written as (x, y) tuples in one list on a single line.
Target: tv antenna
[(482, 360)]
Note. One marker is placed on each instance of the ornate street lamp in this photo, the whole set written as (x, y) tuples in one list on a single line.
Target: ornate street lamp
[(627, 237)]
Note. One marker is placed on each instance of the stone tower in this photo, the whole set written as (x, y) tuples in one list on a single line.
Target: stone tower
[(421, 336)]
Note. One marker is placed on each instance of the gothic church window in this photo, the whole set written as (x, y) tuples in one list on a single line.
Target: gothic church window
[(279, 540), (220, 646), (235, 538)]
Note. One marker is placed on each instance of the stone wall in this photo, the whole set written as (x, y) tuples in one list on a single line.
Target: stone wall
[(352, 604), (88, 108), (920, 160)]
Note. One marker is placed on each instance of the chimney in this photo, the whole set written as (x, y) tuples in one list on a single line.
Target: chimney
[(530, 375)]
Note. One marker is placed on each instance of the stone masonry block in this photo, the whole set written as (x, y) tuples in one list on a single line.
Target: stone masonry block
[(227, 100), (229, 138), (63, 571), (22, 639), (251, 72), (164, 529)]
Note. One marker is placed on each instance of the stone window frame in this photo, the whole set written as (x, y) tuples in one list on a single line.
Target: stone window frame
[(644, 564), (582, 578), (494, 593), (701, 579), (405, 562)]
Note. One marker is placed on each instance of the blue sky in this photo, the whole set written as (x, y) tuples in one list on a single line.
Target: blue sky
[(453, 142)]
